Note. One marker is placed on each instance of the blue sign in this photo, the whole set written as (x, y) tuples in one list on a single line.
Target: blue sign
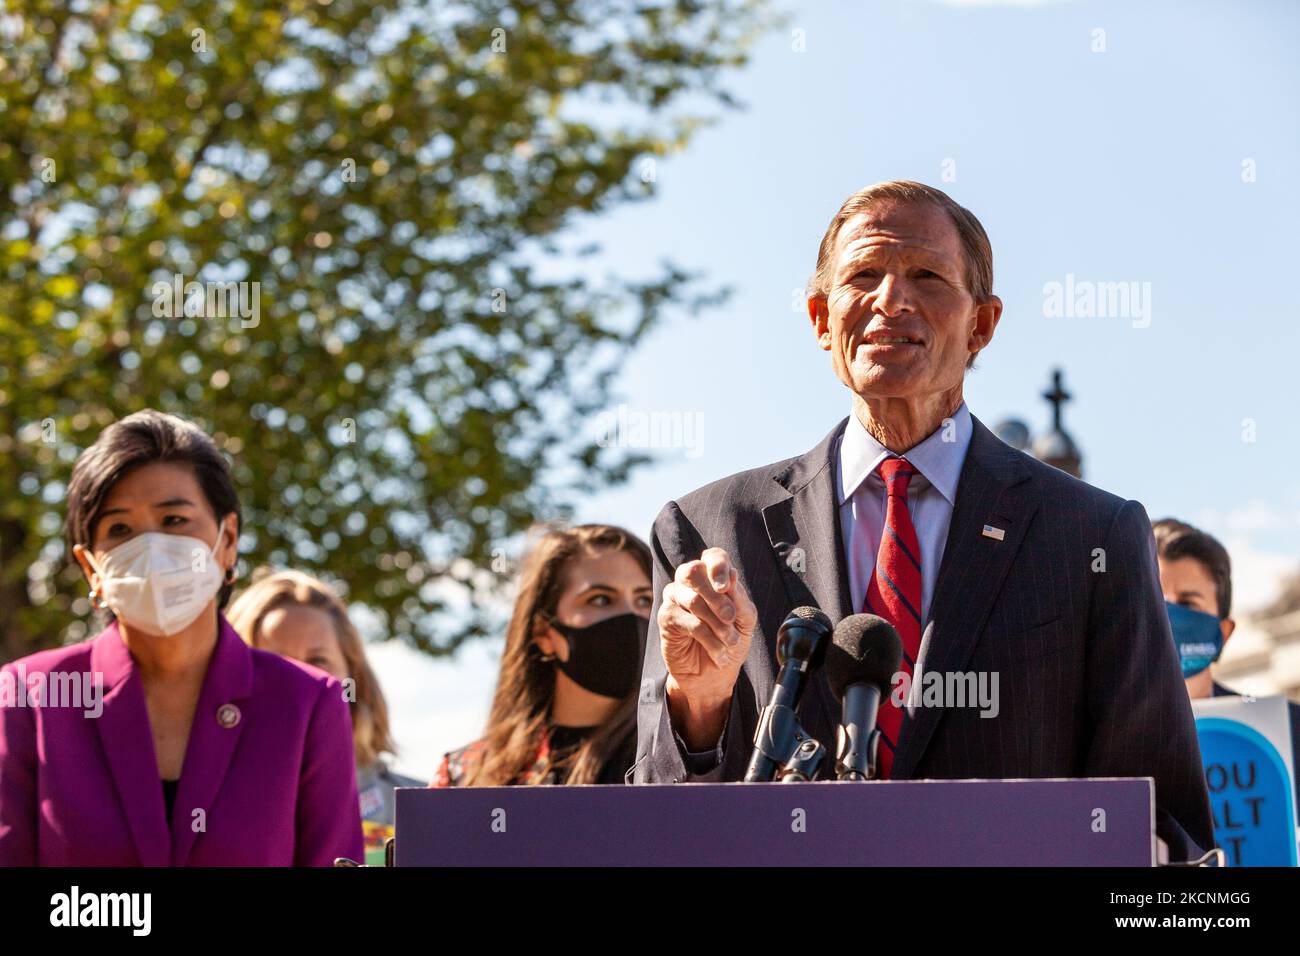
[(1250, 794)]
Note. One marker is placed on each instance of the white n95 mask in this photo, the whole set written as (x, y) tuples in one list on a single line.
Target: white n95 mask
[(159, 583)]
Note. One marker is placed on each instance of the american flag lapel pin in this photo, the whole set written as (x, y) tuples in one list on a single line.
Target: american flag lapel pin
[(997, 534)]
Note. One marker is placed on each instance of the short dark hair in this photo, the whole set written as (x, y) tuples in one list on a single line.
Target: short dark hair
[(142, 439), (1176, 540)]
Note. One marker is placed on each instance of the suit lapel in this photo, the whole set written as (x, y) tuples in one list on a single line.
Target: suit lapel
[(803, 528), (995, 490), (214, 734), (127, 742)]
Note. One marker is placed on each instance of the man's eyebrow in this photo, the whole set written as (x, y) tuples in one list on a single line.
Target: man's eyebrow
[(173, 502), (1190, 593)]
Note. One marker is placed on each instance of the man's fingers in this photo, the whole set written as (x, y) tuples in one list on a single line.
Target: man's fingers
[(693, 602), (697, 576), (717, 564), (679, 625)]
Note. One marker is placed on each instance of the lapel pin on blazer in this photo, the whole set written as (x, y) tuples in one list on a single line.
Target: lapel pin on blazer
[(997, 534), (228, 715)]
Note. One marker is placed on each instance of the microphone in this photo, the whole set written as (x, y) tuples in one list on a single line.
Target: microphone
[(865, 653), (800, 646)]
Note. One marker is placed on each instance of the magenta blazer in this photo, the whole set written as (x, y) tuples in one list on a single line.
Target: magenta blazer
[(269, 763)]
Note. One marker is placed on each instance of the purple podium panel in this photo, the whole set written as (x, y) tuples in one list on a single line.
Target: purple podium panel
[(1100, 822)]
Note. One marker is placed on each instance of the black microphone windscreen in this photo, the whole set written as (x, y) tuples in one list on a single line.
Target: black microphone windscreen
[(804, 636), (865, 649), (813, 614)]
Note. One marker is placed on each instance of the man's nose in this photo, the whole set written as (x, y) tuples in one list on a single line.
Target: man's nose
[(893, 296)]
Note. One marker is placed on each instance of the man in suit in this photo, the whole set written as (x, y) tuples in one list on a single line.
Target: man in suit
[(985, 560)]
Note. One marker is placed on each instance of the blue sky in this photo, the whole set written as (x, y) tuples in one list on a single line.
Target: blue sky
[(1117, 166)]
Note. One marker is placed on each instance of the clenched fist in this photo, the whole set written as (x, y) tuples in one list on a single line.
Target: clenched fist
[(706, 621)]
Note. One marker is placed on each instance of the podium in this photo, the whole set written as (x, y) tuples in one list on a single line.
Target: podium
[(1095, 822)]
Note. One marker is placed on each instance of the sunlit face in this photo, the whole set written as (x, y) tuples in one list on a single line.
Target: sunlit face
[(597, 585), (164, 497), (306, 634), (899, 320)]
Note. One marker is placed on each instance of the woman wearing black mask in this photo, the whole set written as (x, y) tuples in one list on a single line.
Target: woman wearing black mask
[(565, 704)]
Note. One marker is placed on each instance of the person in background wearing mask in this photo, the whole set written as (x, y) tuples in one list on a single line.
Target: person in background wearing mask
[(295, 615), (1196, 578), (565, 705), (199, 751)]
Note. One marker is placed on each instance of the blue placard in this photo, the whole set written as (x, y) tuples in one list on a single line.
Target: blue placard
[(1250, 794)]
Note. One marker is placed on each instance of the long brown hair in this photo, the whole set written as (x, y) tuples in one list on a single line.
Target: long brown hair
[(269, 591), (522, 705)]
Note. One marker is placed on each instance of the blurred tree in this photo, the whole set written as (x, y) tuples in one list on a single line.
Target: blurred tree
[(402, 381)]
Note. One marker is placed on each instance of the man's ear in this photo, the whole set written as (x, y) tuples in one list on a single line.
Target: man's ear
[(987, 315), (1227, 626), (819, 314)]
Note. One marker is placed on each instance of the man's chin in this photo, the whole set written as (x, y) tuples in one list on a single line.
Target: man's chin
[(886, 381)]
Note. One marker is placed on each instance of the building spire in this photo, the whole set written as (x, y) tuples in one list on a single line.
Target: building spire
[(1056, 447), (1058, 396)]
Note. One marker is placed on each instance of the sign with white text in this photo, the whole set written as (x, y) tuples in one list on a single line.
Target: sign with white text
[(1246, 751)]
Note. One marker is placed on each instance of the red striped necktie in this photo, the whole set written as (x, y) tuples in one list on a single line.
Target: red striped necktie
[(895, 594)]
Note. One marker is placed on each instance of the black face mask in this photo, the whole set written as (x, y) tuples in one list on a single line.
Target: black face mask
[(605, 658)]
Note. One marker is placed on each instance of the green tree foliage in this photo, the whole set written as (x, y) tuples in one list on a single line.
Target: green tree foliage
[(394, 177)]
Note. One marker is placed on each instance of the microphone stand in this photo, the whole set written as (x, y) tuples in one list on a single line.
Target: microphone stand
[(775, 740), (800, 648), (858, 738), (804, 762), (783, 744), (873, 768)]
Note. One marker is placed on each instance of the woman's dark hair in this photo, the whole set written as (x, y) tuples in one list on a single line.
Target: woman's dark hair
[(142, 439)]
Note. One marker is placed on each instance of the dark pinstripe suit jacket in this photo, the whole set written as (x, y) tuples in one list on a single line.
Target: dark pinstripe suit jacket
[(1089, 679)]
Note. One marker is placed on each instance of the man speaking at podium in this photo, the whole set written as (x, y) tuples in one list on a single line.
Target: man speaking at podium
[(984, 559)]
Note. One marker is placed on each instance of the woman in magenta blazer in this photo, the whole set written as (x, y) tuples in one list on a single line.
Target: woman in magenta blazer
[(166, 740)]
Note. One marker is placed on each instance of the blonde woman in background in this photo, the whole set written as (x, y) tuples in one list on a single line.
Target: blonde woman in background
[(295, 615)]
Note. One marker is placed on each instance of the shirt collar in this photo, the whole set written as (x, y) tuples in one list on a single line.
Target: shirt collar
[(939, 461)]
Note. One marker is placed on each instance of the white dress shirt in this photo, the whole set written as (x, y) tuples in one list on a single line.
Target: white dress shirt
[(931, 494)]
